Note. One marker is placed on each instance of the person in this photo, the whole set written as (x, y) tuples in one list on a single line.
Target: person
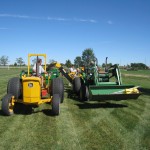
[(94, 65), (72, 69), (91, 64), (41, 70)]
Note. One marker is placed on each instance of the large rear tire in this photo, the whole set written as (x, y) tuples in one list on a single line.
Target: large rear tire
[(58, 88), (55, 104), (76, 85), (62, 91), (14, 87), (7, 108)]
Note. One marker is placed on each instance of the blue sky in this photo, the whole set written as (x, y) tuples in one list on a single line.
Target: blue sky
[(63, 29)]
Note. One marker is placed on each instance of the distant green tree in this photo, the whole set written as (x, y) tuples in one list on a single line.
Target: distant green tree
[(51, 61), (4, 60), (68, 63), (78, 61), (15, 64), (108, 65), (20, 61), (88, 56), (34, 60), (136, 66)]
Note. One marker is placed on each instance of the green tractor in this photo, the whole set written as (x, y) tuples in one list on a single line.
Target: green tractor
[(103, 85), (28, 90)]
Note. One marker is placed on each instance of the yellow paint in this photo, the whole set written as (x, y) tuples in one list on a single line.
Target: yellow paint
[(72, 75), (131, 91), (31, 89), (58, 65)]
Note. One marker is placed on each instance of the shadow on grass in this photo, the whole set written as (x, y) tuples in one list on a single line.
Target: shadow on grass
[(145, 91), (1, 113), (23, 109), (48, 112), (28, 110), (20, 109), (72, 95), (100, 105)]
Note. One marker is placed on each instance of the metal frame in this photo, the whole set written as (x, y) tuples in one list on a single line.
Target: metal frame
[(30, 55)]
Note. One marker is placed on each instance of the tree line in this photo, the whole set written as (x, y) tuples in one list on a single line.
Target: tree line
[(88, 55), (4, 60), (137, 66), (79, 61)]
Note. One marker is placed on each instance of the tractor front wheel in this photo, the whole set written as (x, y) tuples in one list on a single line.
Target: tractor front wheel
[(76, 85), (84, 93), (7, 106), (55, 104)]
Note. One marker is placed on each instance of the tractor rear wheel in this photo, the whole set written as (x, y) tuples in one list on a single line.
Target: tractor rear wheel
[(58, 88), (84, 93), (55, 104), (76, 85), (62, 91), (14, 87), (7, 106)]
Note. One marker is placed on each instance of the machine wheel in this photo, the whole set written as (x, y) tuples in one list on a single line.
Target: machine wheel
[(58, 88), (7, 108), (55, 104), (14, 87), (62, 91), (84, 93), (76, 85)]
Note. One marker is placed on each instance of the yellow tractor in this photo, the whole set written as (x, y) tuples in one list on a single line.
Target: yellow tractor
[(28, 90)]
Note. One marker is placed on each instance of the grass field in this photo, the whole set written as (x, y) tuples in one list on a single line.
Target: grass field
[(111, 125), (139, 72)]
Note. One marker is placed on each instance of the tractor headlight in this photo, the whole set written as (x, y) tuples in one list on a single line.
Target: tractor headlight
[(30, 85)]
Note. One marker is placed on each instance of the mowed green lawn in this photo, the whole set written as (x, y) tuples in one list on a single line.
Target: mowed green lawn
[(112, 125), (139, 72)]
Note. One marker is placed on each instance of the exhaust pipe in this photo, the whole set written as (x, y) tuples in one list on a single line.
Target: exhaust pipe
[(106, 68)]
